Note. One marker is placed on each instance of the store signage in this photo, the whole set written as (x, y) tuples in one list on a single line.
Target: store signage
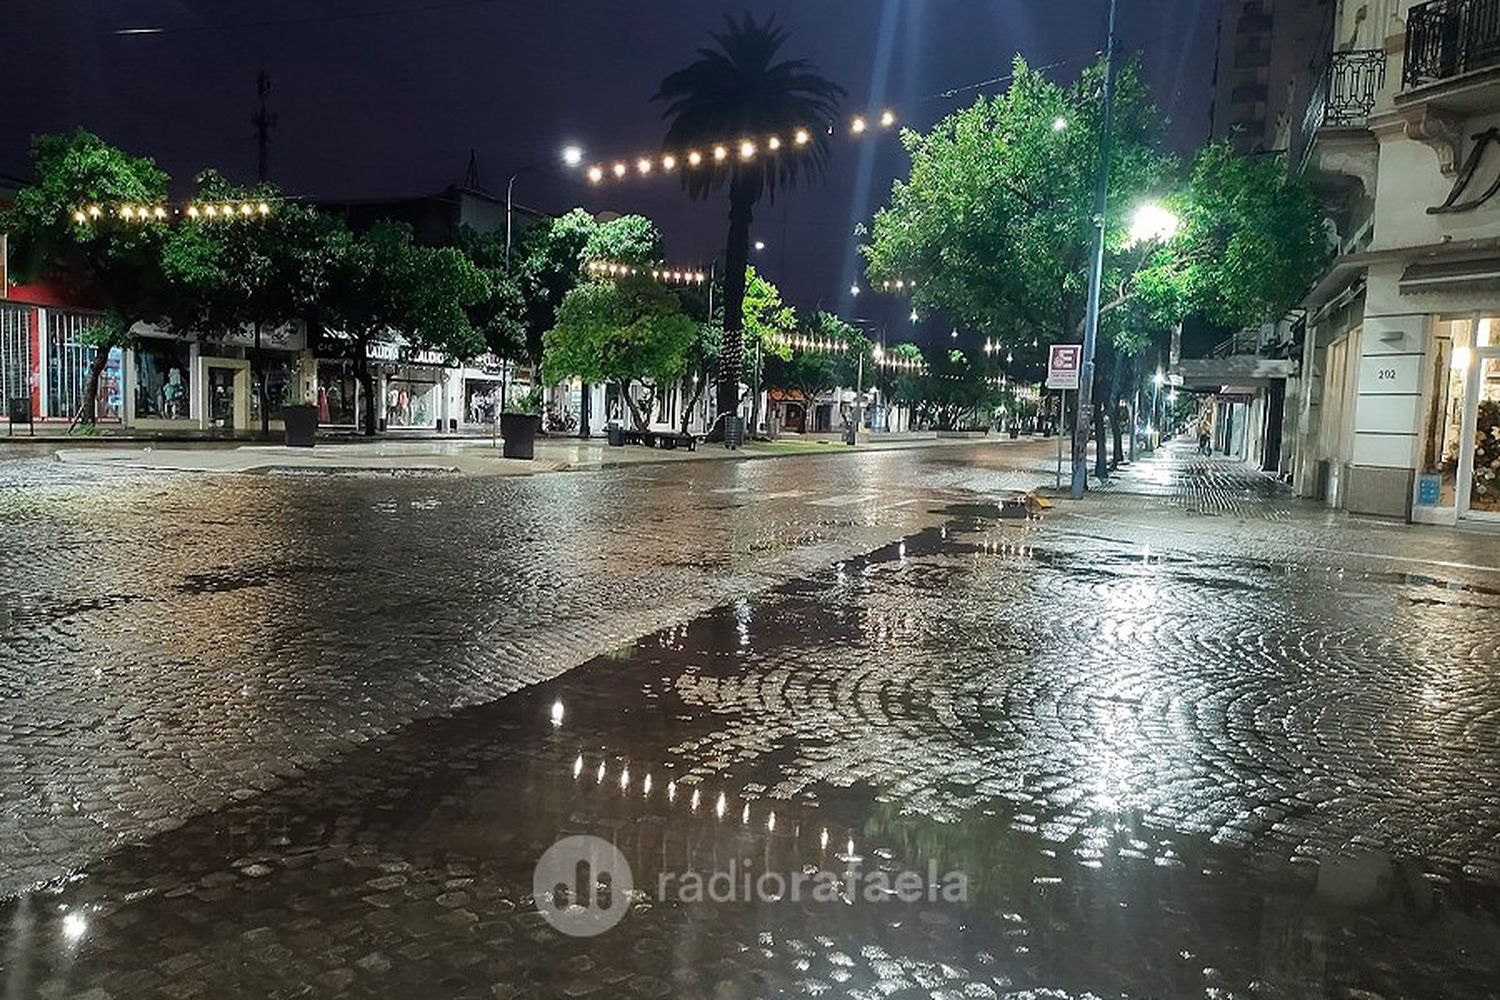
[(1064, 363)]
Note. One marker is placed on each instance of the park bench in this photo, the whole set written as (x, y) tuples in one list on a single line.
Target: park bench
[(652, 439)]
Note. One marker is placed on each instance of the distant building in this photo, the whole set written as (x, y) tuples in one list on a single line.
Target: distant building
[(1266, 51)]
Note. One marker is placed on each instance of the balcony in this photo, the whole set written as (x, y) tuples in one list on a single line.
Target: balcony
[(1345, 93), (1446, 39), (1334, 144)]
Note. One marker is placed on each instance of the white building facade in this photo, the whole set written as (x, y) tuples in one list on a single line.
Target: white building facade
[(1402, 351)]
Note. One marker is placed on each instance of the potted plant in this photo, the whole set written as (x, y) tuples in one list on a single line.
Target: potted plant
[(300, 421), (520, 423)]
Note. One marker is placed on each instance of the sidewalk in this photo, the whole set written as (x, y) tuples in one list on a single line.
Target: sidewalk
[(450, 456)]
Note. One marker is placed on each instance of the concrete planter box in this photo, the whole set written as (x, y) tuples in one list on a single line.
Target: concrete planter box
[(300, 425), (519, 431)]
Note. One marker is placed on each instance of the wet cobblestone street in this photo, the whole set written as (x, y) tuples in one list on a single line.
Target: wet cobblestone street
[(286, 736)]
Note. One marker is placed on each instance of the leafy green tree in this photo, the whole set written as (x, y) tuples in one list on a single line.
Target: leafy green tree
[(632, 333), (994, 221), (628, 239), (548, 261), (101, 256), (500, 317), (382, 283), (258, 272), (739, 88), (1251, 239)]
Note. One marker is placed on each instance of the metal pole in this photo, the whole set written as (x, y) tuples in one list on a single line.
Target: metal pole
[(509, 189), (1155, 421), (1062, 410), (1084, 420)]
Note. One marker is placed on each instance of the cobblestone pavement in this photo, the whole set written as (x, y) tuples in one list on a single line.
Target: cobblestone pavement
[(1188, 738)]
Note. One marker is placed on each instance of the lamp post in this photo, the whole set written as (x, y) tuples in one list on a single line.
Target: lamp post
[(572, 156), (1085, 421)]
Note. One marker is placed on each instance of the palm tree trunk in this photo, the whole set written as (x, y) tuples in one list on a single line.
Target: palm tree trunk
[(736, 259)]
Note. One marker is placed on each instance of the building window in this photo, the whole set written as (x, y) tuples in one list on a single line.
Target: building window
[(162, 380), (69, 358), (15, 351)]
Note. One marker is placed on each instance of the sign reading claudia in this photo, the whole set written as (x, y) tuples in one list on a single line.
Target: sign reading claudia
[(1064, 362)]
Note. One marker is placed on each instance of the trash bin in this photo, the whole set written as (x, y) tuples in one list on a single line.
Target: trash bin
[(616, 437)]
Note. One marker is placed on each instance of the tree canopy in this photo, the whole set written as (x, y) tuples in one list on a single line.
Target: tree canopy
[(631, 332)]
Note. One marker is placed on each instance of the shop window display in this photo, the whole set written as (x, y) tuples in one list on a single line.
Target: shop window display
[(281, 379), (410, 404), (338, 396), (481, 401), (162, 380)]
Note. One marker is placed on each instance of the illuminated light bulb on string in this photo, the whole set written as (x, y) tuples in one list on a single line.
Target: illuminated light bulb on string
[(596, 174), (747, 150), (887, 118), (669, 162), (94, 211), (620, 169), (773, 143), (695, 158), (801, 137), (858, 125), (79, 217), (159, 212), (643, 165), (192, 211), (127, 211), (247, 209), (720, 154), (263, 208)]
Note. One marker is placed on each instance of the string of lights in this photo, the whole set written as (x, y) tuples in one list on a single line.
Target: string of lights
[(714, 155), (132, 212), (811, 345), (657, 272)]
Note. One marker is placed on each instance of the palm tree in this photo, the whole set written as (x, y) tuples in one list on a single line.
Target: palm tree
[(737, 96)]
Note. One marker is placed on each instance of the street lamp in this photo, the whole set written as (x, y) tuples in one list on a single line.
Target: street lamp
[(571, 156), (760, 245), (1152, 224)]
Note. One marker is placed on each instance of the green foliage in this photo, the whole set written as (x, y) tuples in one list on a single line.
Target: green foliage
[(499, 317), (258, 272), (381, 281), (629, 239), (1252, 239), (546, 262), (627, 332), (115, 260), (994, 222)]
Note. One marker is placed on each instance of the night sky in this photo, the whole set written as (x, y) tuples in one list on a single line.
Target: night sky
[(390, 105)]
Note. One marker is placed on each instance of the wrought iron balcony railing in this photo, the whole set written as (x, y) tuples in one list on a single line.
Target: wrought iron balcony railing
[(1344, 95), (1448, 38)]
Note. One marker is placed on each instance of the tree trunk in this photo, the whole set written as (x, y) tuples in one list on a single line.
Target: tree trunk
[(366, 383), (1101, 450), (258, 372), (88, 407), (1114, 412), (636, 417), (736, 259), (692, 401)]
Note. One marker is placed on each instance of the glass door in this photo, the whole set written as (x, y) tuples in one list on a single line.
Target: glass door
[(1479, 476)]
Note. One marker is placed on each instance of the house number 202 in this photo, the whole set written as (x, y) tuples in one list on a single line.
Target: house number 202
[(1385, 374)]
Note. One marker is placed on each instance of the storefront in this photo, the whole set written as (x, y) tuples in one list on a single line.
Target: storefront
[(209, 383), (1459, 471)]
